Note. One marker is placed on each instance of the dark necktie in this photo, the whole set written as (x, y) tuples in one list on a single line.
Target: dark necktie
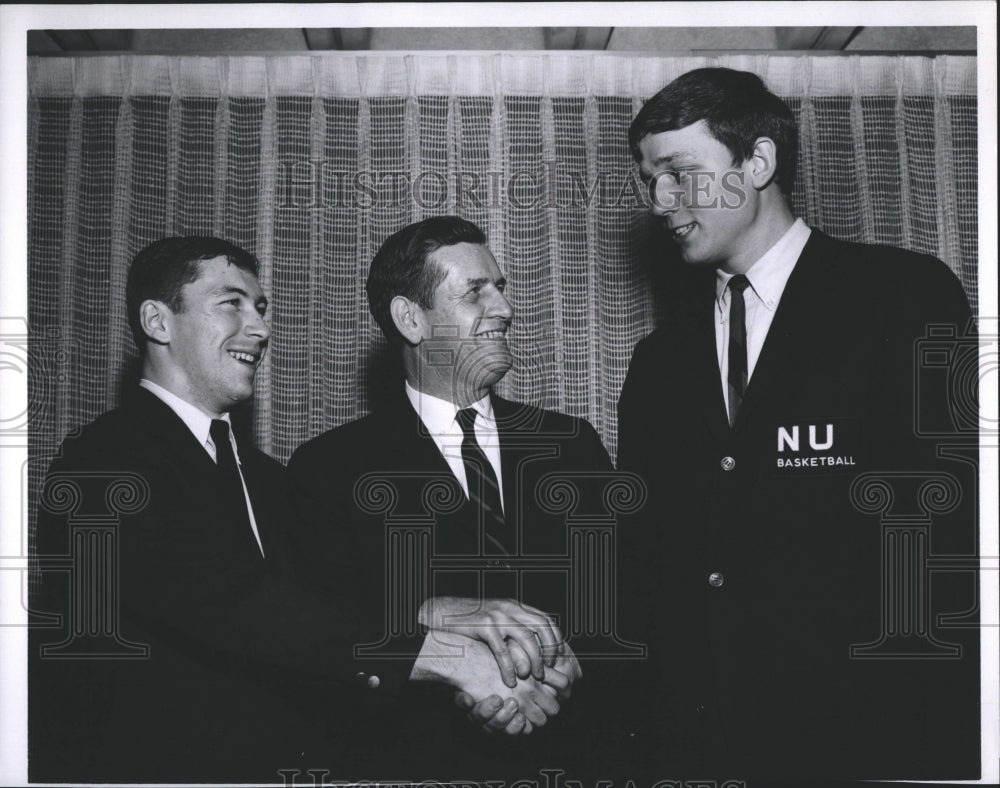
[(738, 375), (230, 480), (484, 492)]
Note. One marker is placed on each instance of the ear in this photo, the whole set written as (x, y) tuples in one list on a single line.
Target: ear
[(408, 318), (154, 318), (763, 163)]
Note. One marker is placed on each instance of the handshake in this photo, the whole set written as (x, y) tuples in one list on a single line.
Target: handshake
[(507, 661)]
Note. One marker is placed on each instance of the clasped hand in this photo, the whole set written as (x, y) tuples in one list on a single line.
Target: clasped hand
[(537, 668)]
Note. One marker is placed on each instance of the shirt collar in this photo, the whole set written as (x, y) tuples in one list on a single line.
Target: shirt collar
[(439, 415), (198, 422), (769, 274)]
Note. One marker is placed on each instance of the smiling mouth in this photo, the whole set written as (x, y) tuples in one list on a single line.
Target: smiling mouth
[(497, 333), (680, 232), (249, 359)]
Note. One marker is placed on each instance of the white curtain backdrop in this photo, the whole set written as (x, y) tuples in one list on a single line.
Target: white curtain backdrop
[(311, 162)]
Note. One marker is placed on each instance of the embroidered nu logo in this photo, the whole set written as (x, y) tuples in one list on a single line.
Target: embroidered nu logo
[(789, 439)]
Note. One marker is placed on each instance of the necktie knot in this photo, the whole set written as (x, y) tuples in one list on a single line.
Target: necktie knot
[(219, 430), (467, 421), (739, 283)]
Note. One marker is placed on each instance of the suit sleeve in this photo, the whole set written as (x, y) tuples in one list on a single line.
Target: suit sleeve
[(629, 409), (180, 577), (931, 405), (638, 531), (597, 455), (338, 550), (950, 399), (929, 368)]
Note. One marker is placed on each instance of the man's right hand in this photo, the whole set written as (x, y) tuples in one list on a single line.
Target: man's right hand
[(494, 714), (470, 667), (494, 621)]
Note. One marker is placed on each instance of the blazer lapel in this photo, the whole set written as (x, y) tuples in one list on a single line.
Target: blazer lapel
[(417, 448), (521, 442), (697, 317), (172, 436), (175, 442), (515, 422), (413, 452), (792, 331), (265, 506)]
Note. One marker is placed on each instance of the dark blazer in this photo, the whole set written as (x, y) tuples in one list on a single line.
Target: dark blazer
[(757, 566), (244, 664), (358, 482)]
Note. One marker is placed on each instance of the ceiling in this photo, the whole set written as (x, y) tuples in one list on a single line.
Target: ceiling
[(675, 40)]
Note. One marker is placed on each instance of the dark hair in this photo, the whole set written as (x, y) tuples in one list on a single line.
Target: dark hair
[(160, 270), (402, 266), (737, 108)]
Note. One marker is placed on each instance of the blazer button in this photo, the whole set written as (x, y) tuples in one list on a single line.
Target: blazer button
[(716, 579), (361, 675), (374, 681), (728, 463)]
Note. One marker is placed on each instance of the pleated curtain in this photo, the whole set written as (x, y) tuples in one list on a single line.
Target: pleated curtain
[(310, 162)]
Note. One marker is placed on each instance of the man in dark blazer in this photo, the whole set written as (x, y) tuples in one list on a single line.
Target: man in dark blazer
[(438, 295), (781, 572), (186, 650)]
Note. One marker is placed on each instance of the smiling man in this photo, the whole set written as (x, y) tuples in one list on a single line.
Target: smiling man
[(774, 405), (201, 659), (438, 295)]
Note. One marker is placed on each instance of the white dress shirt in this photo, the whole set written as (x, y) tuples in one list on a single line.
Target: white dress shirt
[(200, 425), (440, 417), (768, 277)]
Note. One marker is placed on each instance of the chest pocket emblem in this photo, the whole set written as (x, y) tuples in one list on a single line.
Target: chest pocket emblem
[(820, 445)]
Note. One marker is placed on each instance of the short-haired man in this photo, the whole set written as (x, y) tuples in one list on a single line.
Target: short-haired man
[(438, 295), (782, 374), (219, 666)]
